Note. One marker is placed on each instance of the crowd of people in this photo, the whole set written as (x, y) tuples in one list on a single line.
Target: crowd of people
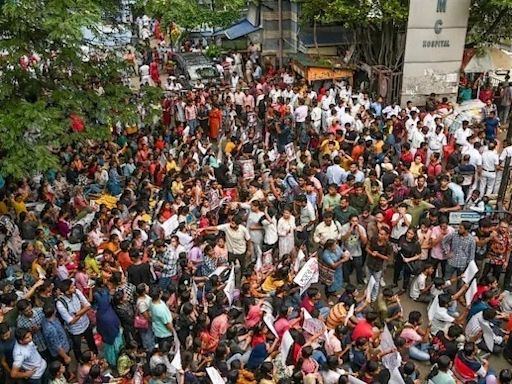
[(261, 231)]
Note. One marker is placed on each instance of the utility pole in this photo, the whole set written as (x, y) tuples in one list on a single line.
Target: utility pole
[(504, 185)]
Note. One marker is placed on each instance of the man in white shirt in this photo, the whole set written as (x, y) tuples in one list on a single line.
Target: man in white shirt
[(507, 152), (430, 121), (436, 141), (328, 229), (490, 162), (316, 116), (300, 114), (347, 118), (462, 134), (27, 362), (441, 320), (419, 289)]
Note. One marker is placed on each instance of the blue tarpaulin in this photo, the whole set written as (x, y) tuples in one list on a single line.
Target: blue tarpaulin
[(242, 28)]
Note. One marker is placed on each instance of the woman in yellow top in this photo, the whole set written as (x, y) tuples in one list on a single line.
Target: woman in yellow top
[(416, 167), (91, 265), (177, 186), (329, 145), (18, 204), (38, 268)]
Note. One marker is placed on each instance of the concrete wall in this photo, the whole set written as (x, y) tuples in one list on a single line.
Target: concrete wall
[(434, 47), (270, 24)]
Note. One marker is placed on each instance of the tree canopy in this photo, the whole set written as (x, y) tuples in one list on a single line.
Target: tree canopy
[(190, 14), (380, 26), (46, 81)]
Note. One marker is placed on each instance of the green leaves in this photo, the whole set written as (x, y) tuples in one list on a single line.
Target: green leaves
[(189, 14), (37, 98)]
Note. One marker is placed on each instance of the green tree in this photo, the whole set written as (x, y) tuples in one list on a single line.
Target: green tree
[(45, 78), (378, 26), (190, 14), (490, 22)]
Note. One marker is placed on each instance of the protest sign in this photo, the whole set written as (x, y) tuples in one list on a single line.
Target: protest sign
[(470, 272), (307, 275)]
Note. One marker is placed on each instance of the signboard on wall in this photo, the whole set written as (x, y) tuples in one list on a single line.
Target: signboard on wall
[(436, 33)]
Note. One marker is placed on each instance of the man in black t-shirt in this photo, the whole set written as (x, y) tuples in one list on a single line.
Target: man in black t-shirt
[(445, 344)]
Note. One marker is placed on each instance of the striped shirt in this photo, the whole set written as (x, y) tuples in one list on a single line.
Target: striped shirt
[(463, 248), (68, 307)]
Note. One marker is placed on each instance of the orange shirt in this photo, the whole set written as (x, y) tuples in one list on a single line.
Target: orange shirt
[(124, 260)]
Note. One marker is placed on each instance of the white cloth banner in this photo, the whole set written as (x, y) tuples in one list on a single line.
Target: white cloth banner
[(355, 380), (470, 272), (307, 275)]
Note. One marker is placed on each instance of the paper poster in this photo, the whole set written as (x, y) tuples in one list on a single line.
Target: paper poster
[(170, 225), (176, 361), (229, 289), (391, 360), (218, 271), (269, 320), (470, 293), (396, 377), (247, 169), (434, 308), (488, 335), (369, 289), (214, 376), (286, 344), (470, 272), (350, 313), (307, 275), (193, 294), (289, 149), (267, 307), (258, 266), (355, 380), (313, 326)]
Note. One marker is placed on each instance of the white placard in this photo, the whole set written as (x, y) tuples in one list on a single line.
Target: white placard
[(229, 289), (218, 271), (299, 260), (396, 377), (470, 293), (289, 149), (214, 375), (434, 308), (355, 380), (193, 294), (307, 275), (470, 272), (369, 289), (286, 344), (170, 225), (488, 335), (269, 322), (391, 360)]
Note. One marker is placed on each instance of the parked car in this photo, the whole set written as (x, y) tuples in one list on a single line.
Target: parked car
[(194, 66)]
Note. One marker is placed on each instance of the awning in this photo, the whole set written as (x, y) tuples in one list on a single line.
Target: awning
[(327, 36), (242, 28), (491, 59)]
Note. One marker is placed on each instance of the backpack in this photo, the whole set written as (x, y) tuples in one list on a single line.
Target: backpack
[(77, 234)]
